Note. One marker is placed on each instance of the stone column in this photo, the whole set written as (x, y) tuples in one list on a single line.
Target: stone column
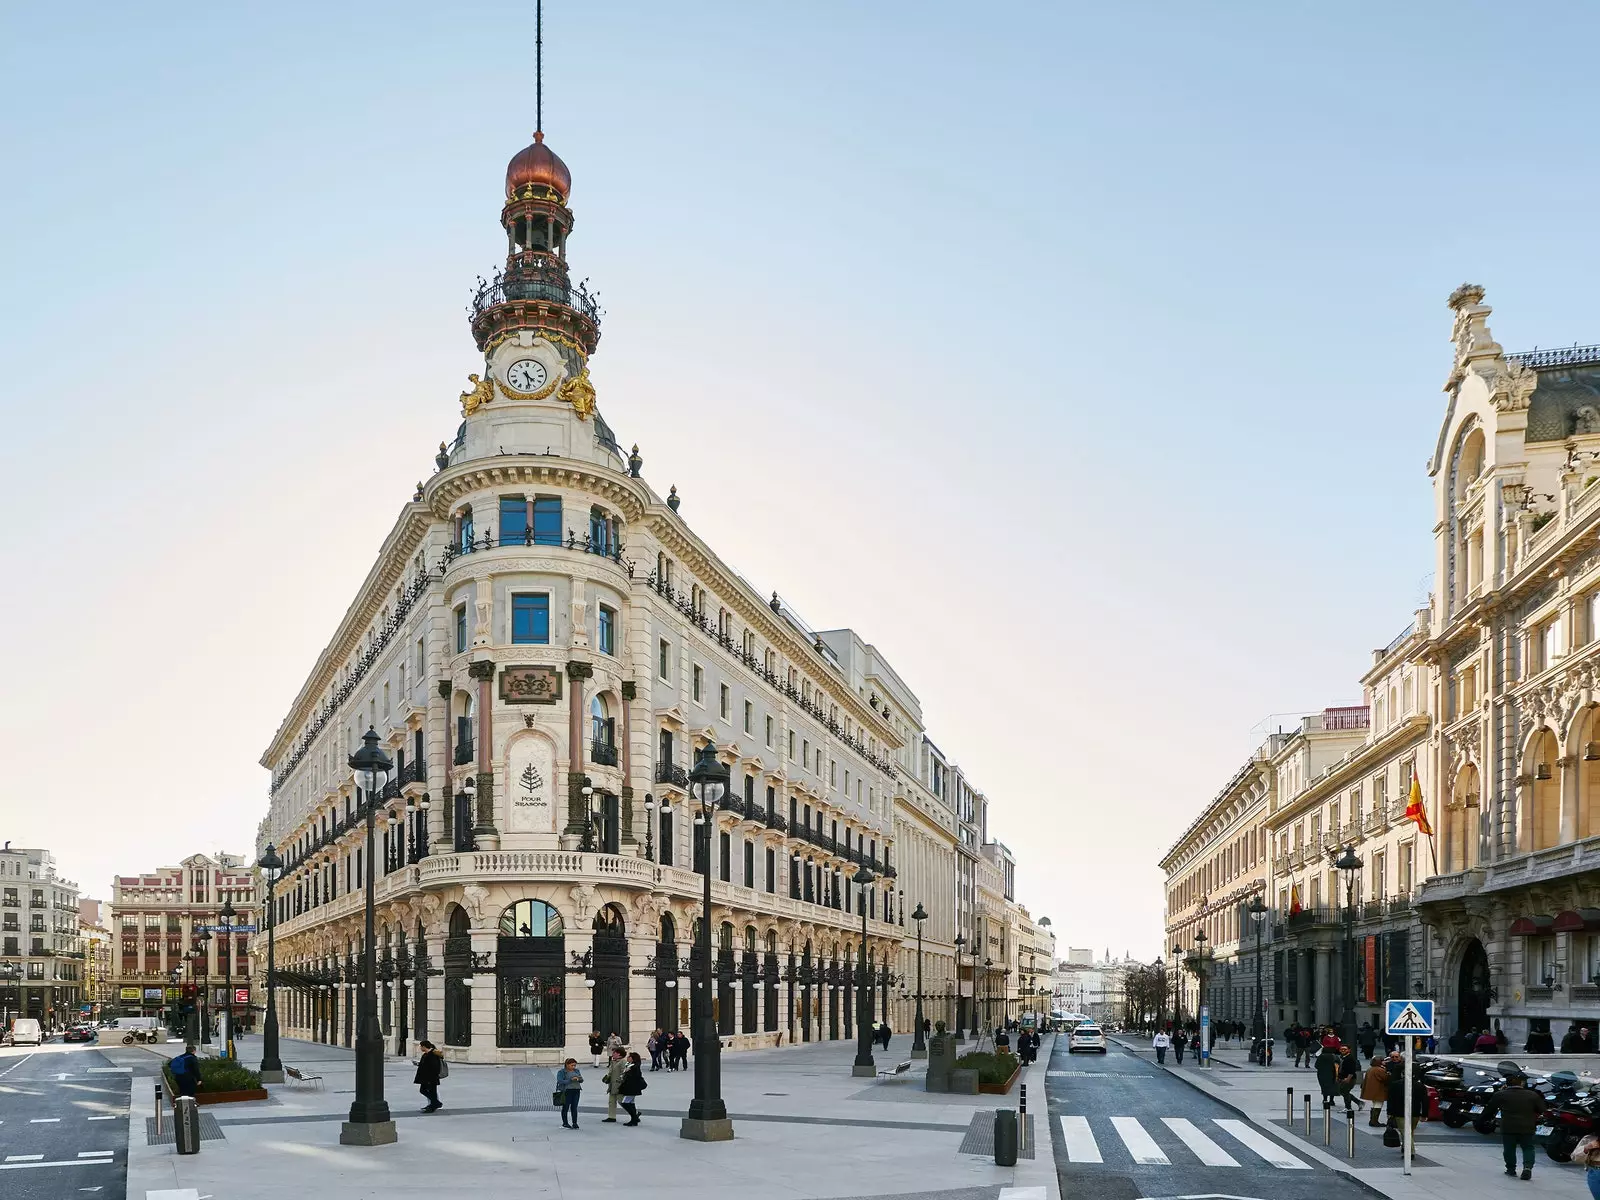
[(435, 944), (485, 1022), (484, 832), (1302, 997), (1322, 988), (446, 774), (577, 815)]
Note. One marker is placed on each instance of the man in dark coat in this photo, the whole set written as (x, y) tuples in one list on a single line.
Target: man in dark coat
[(185, 1070), (1519, 1107), (1577, 1040), (1367, 1040)]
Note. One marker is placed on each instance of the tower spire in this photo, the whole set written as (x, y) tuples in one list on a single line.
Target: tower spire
[(538, 70)]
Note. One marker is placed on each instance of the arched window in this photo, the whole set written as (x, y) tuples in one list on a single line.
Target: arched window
[(669, 928), (608, 922), (530, 919), (464, 536), (601, 722), (725, 936)]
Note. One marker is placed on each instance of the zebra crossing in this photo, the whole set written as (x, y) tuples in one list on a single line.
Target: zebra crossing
[(1184, 1140)]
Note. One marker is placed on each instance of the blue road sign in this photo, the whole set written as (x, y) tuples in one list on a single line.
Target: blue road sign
[(1404, 1017)]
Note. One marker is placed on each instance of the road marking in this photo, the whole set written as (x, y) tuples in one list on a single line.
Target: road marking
[(1079, 1140), (1262, 1145), (1139, 1143), (102, 1118), (44, 1121), (111, 1070), (71, 1162), (23, 1157), (1207, 1151), (1022, 1193), (94, 1153), (15, 1065)]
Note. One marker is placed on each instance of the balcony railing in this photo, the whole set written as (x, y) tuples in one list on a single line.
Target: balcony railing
[(605, 547), (464, 753), (545, 286), (414, 772), (602, 753), (731, 803), (673, 775)]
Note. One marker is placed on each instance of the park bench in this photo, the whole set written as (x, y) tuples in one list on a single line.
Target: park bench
[(299, 1076), (898, 1069)]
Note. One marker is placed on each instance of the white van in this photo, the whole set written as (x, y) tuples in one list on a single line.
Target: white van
[(26, 1032)]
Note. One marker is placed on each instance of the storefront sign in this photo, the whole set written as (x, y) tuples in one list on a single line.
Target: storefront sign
[(152, 995), (241, 995), (130, 993)]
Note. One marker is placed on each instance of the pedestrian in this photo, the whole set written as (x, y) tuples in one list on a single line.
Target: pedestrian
[(1519, 1107), (1349, 1076), (1180, 1044), (1587, 1155), (185, 1070), (1161, 1041), (1330, 1038), (430, 1069), (1375, 1089), (680, 1046), (614, 1044), (1577, 1040), (632, 1087), (1486, 1043), (615, 1070), (654, 1046), (886, 1033), (597, 1048), (1328, 1074), (1367, 1040), (569, 1084)]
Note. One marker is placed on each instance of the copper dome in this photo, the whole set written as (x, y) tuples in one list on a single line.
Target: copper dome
[(538, 164)]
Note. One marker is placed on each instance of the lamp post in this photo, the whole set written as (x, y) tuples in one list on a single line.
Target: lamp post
[(988, 1011), (225, 917), (588, 843), (707, 1120), (1258, 1024), (1161, 999), (864, 1066), (1201, 961), (1349, 864), (649, 828), (369, 1123), (961, 1001), (271, 1068), (1177, 985), (202, 951), (919, 1045)]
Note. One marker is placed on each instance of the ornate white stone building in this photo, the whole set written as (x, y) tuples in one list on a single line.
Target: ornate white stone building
[(544, 645)]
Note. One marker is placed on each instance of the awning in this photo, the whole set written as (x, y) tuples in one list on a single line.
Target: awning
[(1576, 920), (1531, 926)]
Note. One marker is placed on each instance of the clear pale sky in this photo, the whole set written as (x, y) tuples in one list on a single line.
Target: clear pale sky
[(1084, 357)]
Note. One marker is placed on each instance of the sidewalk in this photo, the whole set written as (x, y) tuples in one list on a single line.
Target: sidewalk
[(1450, 1163), (804, 1128)]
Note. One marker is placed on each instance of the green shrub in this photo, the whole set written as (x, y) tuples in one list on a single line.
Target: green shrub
[(218, 1075), (992, 1069)]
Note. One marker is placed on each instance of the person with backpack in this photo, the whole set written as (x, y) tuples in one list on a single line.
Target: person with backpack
[(632, 1087), (185, 1070), (431, 1068)]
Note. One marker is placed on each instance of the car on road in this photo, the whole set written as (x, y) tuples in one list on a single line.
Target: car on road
[(1088, 1038), (79, 1033), (27, 1032)]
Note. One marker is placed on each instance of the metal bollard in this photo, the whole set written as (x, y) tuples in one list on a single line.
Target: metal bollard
[(1289, 1115), (1022, 1116), (1005, 1138), (1308, 1114), (1327, 1122), (1350, 1115), (159, 1126)]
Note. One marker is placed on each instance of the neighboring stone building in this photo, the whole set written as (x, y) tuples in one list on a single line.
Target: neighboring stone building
[(156, 918), (94, 939), (1512, 921), (41, 959), (1092, 989), (546, 647)]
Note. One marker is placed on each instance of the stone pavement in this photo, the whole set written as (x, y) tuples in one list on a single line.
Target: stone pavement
[(803, 1128), (1450, 1164)]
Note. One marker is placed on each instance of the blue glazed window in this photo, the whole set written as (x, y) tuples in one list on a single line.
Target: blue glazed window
[(606, 629), (461, 629), (530, 619), (513, 521), (547, 521)]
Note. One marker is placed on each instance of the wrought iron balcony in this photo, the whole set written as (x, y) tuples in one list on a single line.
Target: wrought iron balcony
[(540, 286), (464, 753), (602, 753), (732, 803), (673, 775), (775, 820), (415, 771)]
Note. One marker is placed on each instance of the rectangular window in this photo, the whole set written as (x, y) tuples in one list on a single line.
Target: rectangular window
[(772, 873), (769, 733), (791, 745), (530, 619), (1403, 862), (606, 628), (461, 629), (749, 864), (664, 660), (698, 678), (724, 852), (547, 521), (805, 753), (1550, 643), (724, 701), (513, 521), (1541, 959), (749, 717)]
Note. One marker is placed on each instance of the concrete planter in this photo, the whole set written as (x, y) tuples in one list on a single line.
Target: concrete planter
[(204, 1097), (999, 1089), (964, 1082)]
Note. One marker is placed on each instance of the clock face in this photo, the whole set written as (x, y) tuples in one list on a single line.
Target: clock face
[(526, 375)]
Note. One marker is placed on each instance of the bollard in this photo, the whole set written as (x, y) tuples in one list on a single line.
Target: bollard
[(1288, 1118), (1308, 1114), (1327, 1122), (186, 1125), (1005, 1138), (159, 1126), (1022, 1116), (1350, 1115)]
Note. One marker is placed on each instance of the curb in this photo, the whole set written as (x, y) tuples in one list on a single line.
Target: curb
[(1332, 1164)]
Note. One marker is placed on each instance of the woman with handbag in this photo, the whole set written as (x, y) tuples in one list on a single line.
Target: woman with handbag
[(569, 1084), (431, 1068), (632, 1087)]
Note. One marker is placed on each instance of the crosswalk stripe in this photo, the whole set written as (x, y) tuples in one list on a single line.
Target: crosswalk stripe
[(94, 1153), (1207, 1151), (1078, 1138), (1262, 1145), (23, 1157), (1139, 1143)]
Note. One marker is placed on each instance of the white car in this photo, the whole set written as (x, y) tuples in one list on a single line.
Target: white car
[(1086, 1037)]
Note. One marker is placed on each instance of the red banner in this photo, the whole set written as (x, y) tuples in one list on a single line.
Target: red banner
[(1372, 971)]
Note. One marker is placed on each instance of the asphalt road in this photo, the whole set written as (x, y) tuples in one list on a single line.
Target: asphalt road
[(63, 1121), (1123, 1130)]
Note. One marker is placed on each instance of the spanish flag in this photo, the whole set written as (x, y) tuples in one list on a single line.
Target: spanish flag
[(1414, 809), (1294, 898)]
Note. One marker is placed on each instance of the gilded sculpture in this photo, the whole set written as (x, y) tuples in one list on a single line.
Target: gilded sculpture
[(482, 392), (579, 393)]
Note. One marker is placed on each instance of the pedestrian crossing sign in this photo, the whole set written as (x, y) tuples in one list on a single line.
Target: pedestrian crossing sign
[(1409, 1017)]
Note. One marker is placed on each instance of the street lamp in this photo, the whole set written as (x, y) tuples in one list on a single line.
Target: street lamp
[(919, 1045), (1161, 1001), (649, 828), (369, 1123), (202, 953), (225, 917), (1349, 864), (988, 1010), (271, 1067), (1177, 984), (1258, 1026), (707, 1120), (864, 1065), (961, 1001), (588, 843)]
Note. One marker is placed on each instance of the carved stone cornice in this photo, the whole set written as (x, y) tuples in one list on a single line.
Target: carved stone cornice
[(629, 496)]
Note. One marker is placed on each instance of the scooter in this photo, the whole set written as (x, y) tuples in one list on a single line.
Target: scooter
[(1566, 1126)]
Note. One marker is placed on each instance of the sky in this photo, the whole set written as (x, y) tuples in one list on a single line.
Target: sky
[(1085, 358)]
